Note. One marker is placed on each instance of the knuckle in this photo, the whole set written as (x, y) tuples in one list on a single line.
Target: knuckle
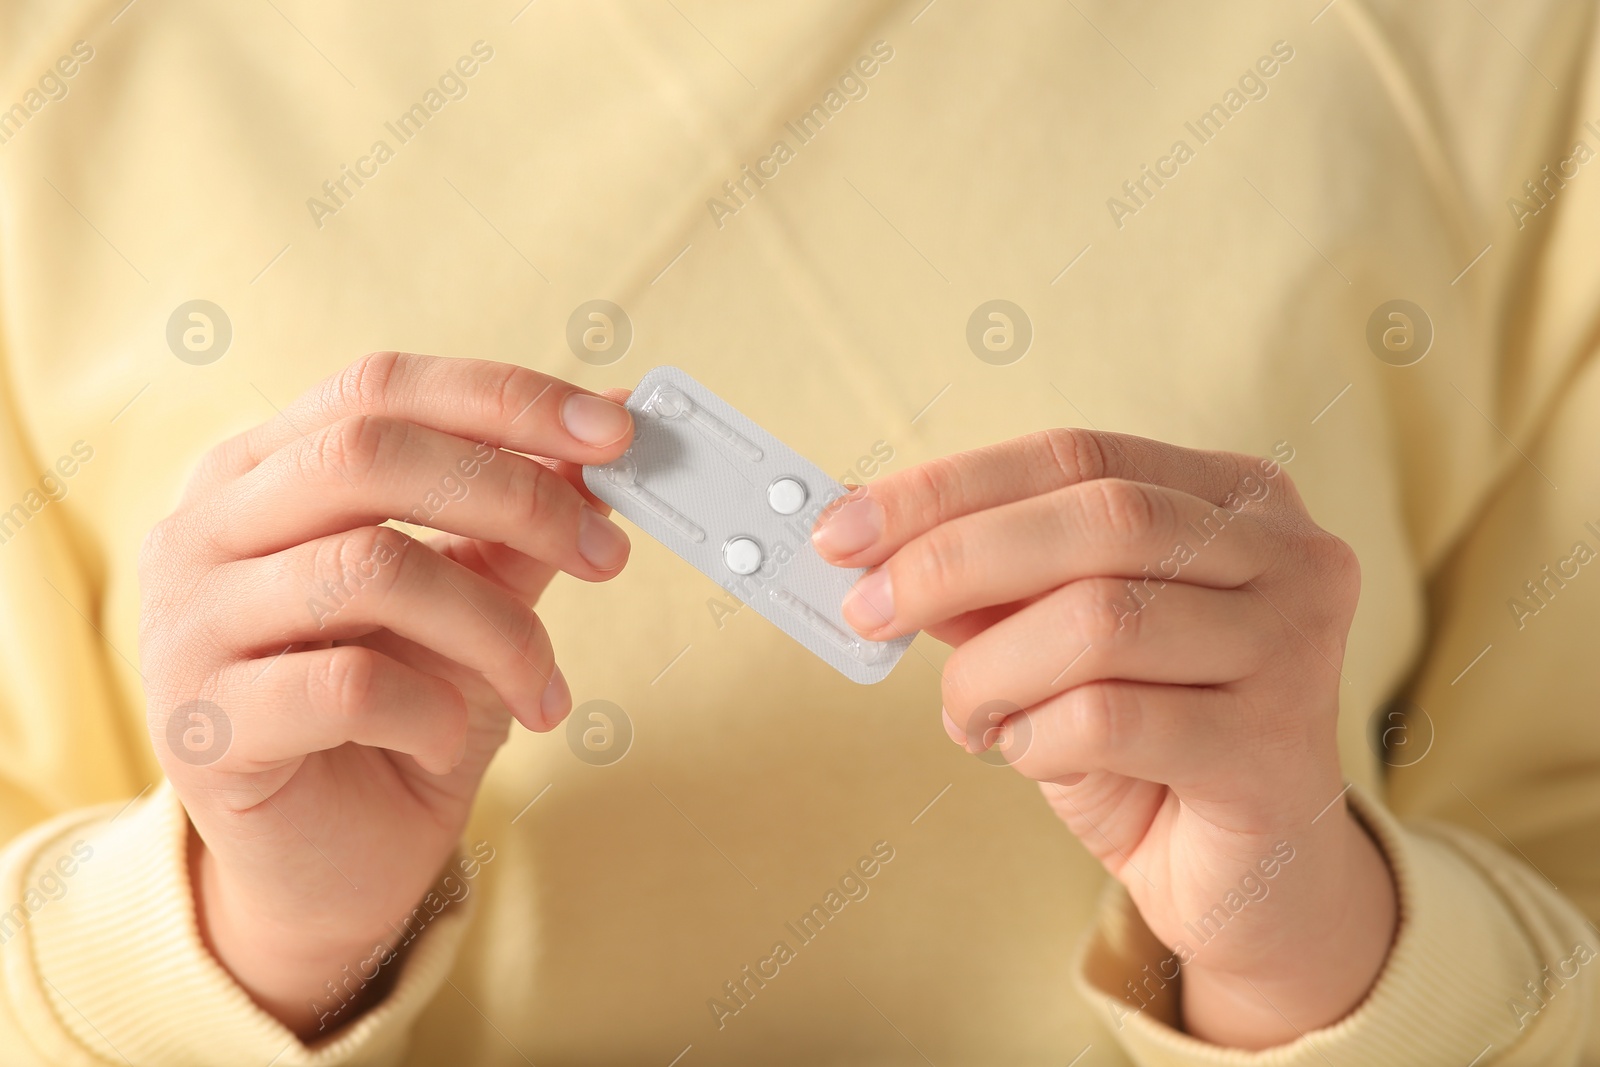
[(1291, 490), (1078, 454), (345, 680), (1127, 509), (158, 547), (224, 461), (939, 562), (355, 560), (524, 644), (935, 489), (350, 448), (179, 593), (1244, 475), (1099, 612), (529, 490), (329, 558), (1335, 568), (1282, 492), (176, 552), (1096, 716), (364, 385), (385, 542), (1243, 463), (510, 393)]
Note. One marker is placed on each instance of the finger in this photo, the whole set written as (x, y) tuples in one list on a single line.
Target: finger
[(1107, 527), (272, 711), (366, 469), (376, 578), (524, 576), (962, 628), (556, 703), (1097, 629), (518, 573), (874, 522), (1172, 734), (573, 472), (505, 405)]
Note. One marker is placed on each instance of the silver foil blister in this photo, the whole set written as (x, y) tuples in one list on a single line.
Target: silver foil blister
[(738, 504)]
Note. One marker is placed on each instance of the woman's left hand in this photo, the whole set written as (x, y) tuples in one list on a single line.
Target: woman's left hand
[(1155, 635)]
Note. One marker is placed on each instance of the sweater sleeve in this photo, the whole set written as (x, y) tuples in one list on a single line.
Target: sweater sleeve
[(103, 962)]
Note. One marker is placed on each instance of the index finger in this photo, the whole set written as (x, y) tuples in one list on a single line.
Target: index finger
[(500, 404), (874, 522)]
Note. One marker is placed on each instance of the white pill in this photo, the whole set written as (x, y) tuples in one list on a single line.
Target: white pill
[(786, 495), (742, 555)]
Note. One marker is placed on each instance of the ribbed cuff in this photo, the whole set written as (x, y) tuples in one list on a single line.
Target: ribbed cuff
[(1474, 926), (111, 962)]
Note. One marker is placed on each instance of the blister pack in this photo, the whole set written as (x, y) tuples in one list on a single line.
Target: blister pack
[(739, 504)]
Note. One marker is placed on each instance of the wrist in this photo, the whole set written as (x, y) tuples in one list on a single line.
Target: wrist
[(1327, 954), (310, 981)]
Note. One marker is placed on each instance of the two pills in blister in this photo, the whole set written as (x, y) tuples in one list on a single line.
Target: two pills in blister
[(738, 504), (786, 496)]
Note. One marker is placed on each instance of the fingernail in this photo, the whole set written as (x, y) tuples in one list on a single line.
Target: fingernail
[(460, 753), (850, 527), (600, 541), (594, 420), (870, 605), (952, 729), (557, 699)]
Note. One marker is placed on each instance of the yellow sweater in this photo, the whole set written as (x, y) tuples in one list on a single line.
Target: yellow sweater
[(1202, 210)]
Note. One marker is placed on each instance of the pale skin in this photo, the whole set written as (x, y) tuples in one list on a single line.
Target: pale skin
[(1180, 748), (1180, 740), (357, 753)]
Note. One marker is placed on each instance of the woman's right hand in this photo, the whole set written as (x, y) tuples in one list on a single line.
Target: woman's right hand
[(325, 692)]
